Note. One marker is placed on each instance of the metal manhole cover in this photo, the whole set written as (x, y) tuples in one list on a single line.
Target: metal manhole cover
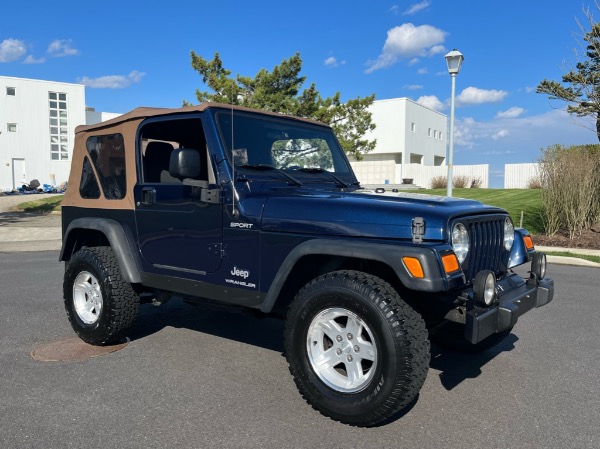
[(72, 349)]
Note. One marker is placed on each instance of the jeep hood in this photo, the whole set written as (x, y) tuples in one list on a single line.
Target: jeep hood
[(365, 214)]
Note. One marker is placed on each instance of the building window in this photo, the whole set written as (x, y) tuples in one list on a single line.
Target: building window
[(413, 127), (59, 131), (429, 132), (11, 127), (440, 135), (12, 91), (434, 134)]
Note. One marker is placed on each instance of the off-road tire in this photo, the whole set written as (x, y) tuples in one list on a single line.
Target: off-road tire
[(118, 302), (399, 338), (451, 336)]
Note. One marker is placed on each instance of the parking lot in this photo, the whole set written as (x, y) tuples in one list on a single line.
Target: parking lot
[(195, 377)]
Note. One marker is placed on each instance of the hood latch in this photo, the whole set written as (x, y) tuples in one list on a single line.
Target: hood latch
[(418, 229)]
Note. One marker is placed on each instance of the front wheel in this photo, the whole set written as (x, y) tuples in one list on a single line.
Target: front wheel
[(100, 304), (358, 353)]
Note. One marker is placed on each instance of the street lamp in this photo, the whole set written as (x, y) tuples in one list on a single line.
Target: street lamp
[(454, 60)]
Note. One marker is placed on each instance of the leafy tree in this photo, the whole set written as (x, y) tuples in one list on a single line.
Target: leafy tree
[(580, 86), (279, 90)]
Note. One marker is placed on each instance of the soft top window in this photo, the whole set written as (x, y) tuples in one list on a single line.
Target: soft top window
[(107, 153)]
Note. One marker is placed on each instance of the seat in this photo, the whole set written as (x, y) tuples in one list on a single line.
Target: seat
[(156, 159)]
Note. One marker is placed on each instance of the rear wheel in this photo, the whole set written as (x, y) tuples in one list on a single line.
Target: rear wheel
[(100, 304), (358, 353)]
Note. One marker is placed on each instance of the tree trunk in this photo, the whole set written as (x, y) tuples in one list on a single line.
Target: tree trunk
[(598, 127)]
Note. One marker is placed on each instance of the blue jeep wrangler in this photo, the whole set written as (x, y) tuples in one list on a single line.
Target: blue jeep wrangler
[(263, 211)]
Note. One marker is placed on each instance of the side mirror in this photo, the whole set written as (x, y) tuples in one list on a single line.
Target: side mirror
[(185, 163)]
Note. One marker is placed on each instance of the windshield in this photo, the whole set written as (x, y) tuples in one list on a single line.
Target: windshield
[(280, 143)]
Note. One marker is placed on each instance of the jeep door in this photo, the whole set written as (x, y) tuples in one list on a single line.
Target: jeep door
[(179, 226)]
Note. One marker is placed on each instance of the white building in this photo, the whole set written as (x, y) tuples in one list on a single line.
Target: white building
[(37, 125), (406, 133)]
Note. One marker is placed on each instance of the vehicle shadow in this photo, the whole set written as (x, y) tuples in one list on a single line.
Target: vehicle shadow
[(250, 327), (456, 367), (245, 326)]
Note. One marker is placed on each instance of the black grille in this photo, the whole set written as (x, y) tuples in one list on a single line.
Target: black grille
[(486, 238)]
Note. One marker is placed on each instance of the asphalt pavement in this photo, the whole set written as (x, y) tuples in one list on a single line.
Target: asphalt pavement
[(198, 377)]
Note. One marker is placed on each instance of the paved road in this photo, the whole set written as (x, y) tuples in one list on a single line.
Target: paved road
[(21, 231), (194, 377)]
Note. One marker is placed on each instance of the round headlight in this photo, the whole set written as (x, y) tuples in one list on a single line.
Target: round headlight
[(460, 241), (509, 233)]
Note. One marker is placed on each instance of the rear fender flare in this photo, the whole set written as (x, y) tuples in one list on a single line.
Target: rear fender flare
[(117, 238)]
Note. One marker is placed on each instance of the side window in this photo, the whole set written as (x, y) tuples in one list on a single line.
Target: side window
[(158, 141), (108, 156), (88, 186)]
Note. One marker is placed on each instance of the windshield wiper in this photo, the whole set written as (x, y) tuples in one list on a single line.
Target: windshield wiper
[(338, 181), (266, 167)]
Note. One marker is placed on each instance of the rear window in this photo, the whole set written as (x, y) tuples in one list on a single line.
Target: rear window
[(107, 153)]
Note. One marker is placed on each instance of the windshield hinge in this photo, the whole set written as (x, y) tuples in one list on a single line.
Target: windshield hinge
[(210, 196), (418, 229)]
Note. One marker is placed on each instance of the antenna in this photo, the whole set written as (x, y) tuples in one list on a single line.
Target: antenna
[(234, 211)]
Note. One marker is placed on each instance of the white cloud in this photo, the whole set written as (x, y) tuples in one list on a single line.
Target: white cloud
[(436, 50), (431, 102), (513, 112), (474, 95), (414, 86), (500, 134), (525, 135), (31, 60), (498, 152), (408, 41), (11, 50), (422, 71), (333, 62), (395, 9), (417, 7), (61, 47), (112, 81)]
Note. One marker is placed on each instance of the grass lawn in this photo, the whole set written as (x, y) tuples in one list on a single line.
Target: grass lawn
[(570, 254), (515, 201), (42, 205)]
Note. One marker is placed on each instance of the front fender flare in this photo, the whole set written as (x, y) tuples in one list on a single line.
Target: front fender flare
[(390, 255)]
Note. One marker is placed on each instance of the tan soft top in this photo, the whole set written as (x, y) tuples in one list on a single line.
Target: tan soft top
[(145, 112), (127, 125)]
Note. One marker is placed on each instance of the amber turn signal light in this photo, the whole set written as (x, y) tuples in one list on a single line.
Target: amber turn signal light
[(450, 263), (528, 242), (414, 266)]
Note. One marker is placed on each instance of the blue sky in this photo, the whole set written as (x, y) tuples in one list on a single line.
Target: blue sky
[(132, 53)]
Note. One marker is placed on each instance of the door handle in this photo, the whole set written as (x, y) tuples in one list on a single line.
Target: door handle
[(148, 196)]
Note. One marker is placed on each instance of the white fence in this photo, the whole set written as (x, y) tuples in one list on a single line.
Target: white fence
[(518, 176), (388, 172)]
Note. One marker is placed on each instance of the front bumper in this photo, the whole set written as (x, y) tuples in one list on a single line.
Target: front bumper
[(515, 297)]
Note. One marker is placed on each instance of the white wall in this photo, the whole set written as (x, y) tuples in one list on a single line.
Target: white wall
[(378, 172), (517, 176), (30, 145), (93, 117)]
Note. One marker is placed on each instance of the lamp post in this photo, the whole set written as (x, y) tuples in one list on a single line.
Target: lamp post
[(454, 60)]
